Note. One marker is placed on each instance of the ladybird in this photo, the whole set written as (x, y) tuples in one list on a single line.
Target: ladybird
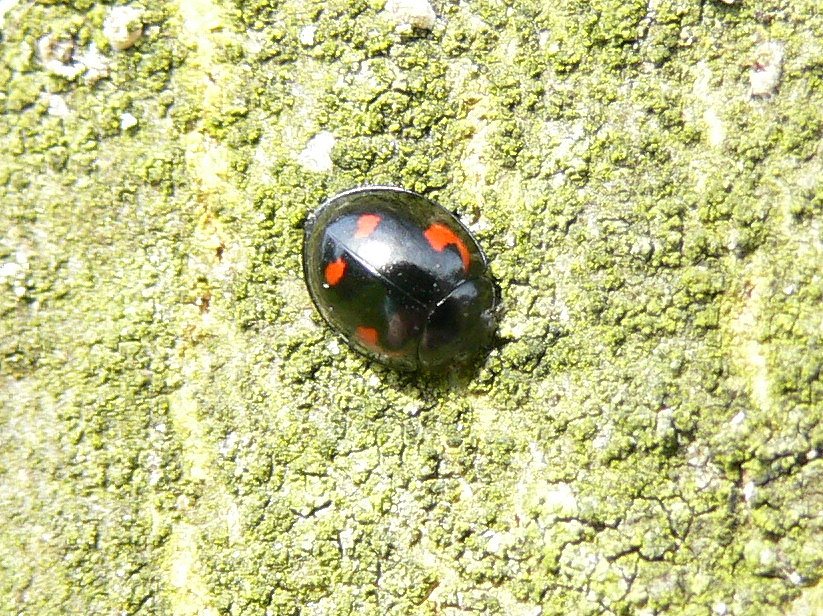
[(400, 277)]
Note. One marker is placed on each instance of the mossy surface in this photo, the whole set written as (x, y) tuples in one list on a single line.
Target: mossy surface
[(180, 434)]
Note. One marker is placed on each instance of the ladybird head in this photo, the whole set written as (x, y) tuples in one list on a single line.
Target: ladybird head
[(460, 325)]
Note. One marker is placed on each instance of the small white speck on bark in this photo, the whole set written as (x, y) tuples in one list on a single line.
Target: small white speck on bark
[(412, 13)]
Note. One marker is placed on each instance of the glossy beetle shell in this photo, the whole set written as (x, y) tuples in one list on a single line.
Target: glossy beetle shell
[(400, 277)]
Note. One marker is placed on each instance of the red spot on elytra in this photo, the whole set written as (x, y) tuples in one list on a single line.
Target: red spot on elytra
[(367, 335), (366, 225), (439, 236), (335, 270)]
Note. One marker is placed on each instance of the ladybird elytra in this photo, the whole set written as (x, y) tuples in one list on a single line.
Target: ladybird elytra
[(400, 277), (366, 225), (439, 236), (334, 271)]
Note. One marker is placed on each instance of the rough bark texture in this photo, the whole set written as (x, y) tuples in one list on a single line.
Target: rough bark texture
[(179, 434)]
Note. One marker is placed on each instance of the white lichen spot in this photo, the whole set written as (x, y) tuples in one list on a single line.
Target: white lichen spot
[(201, 21), (748, 491), (184, 412), (189, 593), (707, 102), (123, 26), (127, 121), (228, 444), (513, 329), (14, 274), (569, 139), (306, 35), (412, 14), (557, 180), (96, 64), (209, 161), (466, 492), (317, 154), (720, 609), (738, 419), (543, 38), (538, 461), (560, 500), (665, 423), (10, 270), (346, 540), (61, 57), (5, 7), (749, 351), (57, 106), (480, 226), (333, 347), (308, 543), (496, 542), (767, 557), (57, 56), (233, 526), (716, 131), (704, 473), (182, 564), (603, 437), (155, 466), (642, 247), (768, 66), (412, 409), (760, 377), (565, 315), (474, 160)]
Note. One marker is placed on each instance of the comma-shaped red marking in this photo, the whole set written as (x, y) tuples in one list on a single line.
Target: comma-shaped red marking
[(366, 225), (334, 271), (367, 335), (439, 236)]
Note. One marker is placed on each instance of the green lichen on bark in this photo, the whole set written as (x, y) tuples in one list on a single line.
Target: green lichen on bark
[(180, 434)]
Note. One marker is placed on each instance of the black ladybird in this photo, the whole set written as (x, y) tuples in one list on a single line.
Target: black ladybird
[(400, 277)]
